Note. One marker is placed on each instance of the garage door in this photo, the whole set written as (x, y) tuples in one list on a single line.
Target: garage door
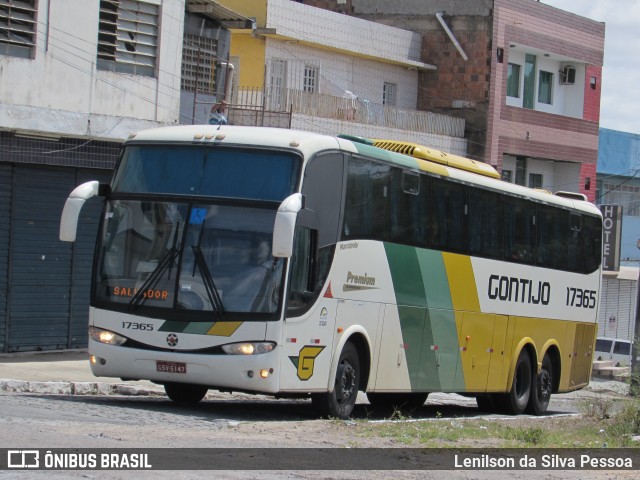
[(47, 281)]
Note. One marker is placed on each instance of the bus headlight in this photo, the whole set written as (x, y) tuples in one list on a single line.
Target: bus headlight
[(105, 336), (248, 348)]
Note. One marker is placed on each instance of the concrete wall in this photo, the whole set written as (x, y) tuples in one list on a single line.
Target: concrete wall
[(61, 91), (339, 73)]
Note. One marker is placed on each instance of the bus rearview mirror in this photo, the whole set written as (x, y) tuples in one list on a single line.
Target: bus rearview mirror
[(72, 207), (285, 225)]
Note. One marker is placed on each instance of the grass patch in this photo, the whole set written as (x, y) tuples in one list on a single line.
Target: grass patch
[(602, 423)]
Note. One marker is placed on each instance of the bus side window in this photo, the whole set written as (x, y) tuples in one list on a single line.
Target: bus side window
[(591, 243), (551, 227), (519, 238), (366, 211), (485, 224), (447, 207), (406, 208)]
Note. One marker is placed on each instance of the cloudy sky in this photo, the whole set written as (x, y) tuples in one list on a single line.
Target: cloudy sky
[(620, 106)]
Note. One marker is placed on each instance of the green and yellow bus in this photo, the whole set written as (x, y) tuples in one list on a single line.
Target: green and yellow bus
[(296, 264)]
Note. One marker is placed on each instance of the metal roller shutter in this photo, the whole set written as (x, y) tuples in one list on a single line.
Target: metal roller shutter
[(5, 228), (48, 292)]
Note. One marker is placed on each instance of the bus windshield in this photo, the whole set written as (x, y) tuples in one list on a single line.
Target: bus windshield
[(175, 244), (211, 171)]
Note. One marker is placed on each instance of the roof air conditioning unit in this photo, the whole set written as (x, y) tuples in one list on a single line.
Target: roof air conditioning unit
[(568, 75)]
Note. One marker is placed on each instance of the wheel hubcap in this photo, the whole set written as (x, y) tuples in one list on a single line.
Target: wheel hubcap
[(347, 382), (545, 385)]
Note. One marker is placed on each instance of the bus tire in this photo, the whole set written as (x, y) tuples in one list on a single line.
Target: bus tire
[(542, 388), (405, 402), (340, 402), (515, 402), (184, 393)]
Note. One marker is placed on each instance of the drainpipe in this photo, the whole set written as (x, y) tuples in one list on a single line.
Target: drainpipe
[(228, 79), (451, 36)]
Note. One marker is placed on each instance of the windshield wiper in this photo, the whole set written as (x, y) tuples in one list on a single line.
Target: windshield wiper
[(207, 278), (152, 280), (209, 285)]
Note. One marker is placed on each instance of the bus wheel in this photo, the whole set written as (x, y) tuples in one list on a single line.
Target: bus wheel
[(543, 385), (184, 393), (341, 401), (397, 401), (517, 399)]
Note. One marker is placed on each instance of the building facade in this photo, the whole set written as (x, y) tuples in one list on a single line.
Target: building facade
[(332, 74), (77, 77), (525, 76), (618, 183)]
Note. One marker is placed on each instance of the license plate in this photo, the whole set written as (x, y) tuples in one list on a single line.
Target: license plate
[(171, 367)]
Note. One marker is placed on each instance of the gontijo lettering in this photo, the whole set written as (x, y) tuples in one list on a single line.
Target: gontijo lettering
[(519, 290)]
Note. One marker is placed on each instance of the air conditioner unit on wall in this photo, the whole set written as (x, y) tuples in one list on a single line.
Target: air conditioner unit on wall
[(568, 75)]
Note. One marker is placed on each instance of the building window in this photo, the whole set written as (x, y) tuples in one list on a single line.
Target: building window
[(198, 62), (622, 193), (310, 79), (535, 180), (529, 80), (389, 93), (507, 176), (545, 83), (18, 28), (513, 80), (128, 37)]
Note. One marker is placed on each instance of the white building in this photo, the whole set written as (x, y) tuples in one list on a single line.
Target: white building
[(90, 69), (78, 76)]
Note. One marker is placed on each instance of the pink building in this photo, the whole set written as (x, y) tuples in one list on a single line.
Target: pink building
[(525, 76)]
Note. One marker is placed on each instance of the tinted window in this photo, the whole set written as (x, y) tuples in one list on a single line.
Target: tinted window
[(552, 226), (623, 348), (219, 172), (367, 200), (519, 230), (591, 243), (485, 223), (603, 345), (408, 208), (447, 216)]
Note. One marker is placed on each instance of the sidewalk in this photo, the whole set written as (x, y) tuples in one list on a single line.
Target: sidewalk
[(63, 372)]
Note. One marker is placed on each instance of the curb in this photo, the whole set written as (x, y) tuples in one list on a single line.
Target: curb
[(75, 388)]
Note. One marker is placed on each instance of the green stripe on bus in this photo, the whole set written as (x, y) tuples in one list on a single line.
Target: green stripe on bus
[(441, 319), (391, 157), (420, 279), (406, 275), (198, 328), (173, 326)]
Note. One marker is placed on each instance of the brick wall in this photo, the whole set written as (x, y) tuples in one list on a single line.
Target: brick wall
[(592, 95)]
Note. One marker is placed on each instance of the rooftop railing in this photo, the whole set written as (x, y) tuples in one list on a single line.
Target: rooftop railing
[(286, 102)]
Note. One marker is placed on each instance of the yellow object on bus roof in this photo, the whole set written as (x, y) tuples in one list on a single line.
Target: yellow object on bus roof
[(438, 156)]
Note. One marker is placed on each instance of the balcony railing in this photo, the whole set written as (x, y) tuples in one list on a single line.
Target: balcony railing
[(284, 102)]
